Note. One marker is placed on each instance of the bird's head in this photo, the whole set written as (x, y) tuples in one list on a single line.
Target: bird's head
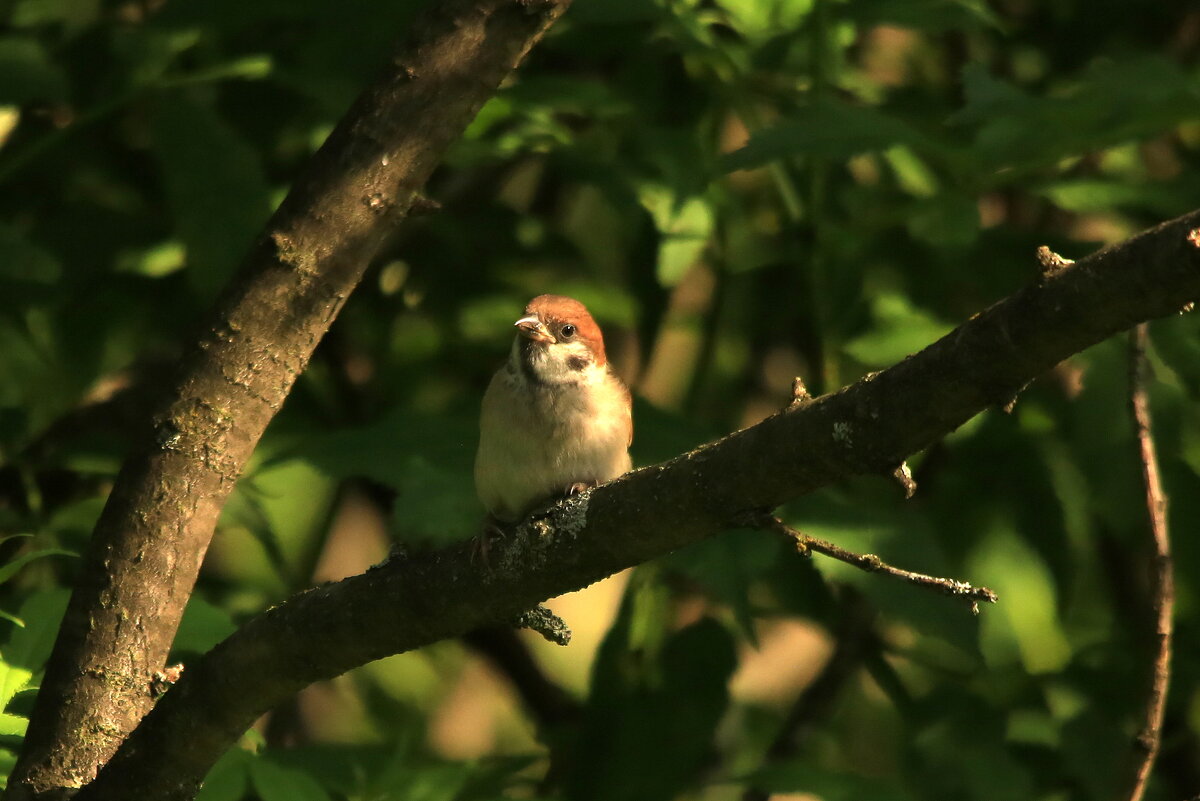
[(557, 341)]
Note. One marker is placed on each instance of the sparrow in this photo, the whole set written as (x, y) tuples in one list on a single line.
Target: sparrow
[(555, 419)]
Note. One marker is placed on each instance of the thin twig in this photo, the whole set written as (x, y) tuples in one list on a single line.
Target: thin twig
[(873, 564), (903, 475), (1162, 580)]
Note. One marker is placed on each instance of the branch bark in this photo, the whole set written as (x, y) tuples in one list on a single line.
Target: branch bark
[(868, 427), (1162, 575), (871, 563), (149, 542)]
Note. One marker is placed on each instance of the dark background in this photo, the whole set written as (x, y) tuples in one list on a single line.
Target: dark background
[(742, 192)]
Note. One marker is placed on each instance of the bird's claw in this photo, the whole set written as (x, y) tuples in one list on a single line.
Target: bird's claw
[(481, 543)]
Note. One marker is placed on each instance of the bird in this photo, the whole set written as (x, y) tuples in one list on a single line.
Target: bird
[(555, 419)]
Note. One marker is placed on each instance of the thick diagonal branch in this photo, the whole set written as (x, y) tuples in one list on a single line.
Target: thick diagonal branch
[(154, 531), (865, 428)]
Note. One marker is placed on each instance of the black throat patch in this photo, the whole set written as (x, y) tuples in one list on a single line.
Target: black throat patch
[(526, 360)]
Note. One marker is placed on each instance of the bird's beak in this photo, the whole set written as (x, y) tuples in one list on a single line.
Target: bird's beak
[(532, 328)]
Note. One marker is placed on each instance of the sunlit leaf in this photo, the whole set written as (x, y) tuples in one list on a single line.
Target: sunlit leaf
[(756, 19), (12, 725), (1095, 195), (899, 331), (1026, 626), (13, 679), (684, 226)]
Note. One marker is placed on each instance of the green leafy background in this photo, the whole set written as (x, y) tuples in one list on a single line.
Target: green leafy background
[(742, 191)]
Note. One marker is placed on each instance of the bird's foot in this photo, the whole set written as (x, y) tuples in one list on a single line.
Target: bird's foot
[(481, 543), (578, 487)]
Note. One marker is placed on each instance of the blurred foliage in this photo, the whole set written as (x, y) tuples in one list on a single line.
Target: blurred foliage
[(742, 191)]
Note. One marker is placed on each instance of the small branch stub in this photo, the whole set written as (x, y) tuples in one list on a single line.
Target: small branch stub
[(423, 205), (903, 474), (540, 619), (799, 392), (163, 679), (1051, 263)]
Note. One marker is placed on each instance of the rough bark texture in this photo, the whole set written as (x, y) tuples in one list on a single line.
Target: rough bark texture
[(151, 538), (865, 428)]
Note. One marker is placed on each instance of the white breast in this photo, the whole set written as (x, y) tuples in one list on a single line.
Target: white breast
[(536, 441)]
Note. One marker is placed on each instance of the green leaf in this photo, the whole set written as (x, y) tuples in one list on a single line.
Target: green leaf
[(155, 261), (203, 626), (759, 19), (8, 761), (10, 569), (216, 187), (1025, 625), (22, 260), (275, 782), (946, 220), (899, 330), (934, 16), (651, 716), (428, 460), (284, 504), (12, 725), (726, 566), (684, 226), (227, 779), (28, 74), (13, 679), (1100, 195), (828, 785), (825, 129), (42, 612), (1113, 102)]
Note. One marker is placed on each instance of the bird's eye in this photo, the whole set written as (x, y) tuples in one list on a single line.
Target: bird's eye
[(567, 331)]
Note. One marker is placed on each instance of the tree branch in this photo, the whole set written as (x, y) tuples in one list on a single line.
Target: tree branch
[(873, 564), (1162, 579), (868, 427), (155, 528)]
